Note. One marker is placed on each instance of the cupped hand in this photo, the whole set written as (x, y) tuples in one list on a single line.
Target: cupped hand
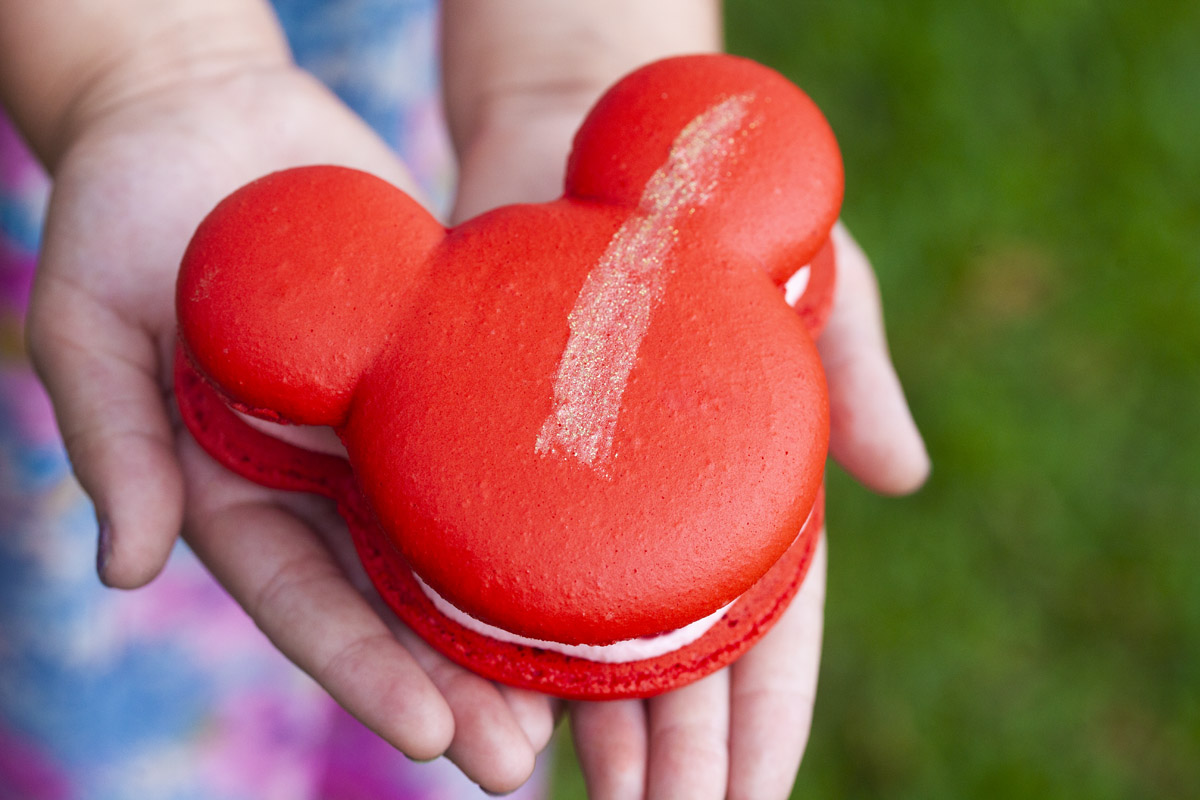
[(128, 191)]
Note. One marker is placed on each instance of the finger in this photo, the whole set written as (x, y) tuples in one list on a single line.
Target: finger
[(611, 744), (536, 713), (872, 430), (489, 744), (773, 688), (102, 375), (279, 570), (689, 740)]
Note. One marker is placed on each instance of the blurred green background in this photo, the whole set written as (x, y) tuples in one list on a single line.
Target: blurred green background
[(1026, 177)]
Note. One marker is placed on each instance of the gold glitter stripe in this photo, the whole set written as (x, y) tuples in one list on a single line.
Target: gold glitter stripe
[(612, 313)]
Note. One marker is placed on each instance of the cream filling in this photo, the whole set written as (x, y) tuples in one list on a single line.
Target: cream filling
[(794, 288), (621, 652)]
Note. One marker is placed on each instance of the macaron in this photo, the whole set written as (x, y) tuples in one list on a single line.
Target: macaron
[(585, 439)]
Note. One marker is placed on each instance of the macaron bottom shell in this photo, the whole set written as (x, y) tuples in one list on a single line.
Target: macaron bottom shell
[(568, 677)]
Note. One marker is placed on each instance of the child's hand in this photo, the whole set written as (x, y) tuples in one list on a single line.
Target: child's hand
[(143, 163), (741, 732)]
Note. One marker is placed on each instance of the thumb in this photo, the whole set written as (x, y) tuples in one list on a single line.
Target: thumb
[(101, 373), (872, 430)]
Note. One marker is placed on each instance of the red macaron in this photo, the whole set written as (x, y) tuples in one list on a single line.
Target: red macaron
[(585, 438)]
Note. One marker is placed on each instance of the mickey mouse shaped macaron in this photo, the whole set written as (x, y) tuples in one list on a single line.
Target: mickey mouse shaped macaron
[(586, 438)]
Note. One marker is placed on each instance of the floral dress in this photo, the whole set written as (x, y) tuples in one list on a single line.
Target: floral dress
[(171, 691)]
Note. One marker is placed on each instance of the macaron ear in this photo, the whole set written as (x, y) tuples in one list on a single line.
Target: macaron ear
[(779, 172), (291, 285)]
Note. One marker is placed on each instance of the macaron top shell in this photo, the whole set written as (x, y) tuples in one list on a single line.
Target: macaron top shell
[(582, 421)]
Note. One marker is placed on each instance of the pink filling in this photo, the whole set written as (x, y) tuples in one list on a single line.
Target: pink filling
[(615, 653)]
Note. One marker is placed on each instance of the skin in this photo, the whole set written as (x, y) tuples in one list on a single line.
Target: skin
[(146, 114)]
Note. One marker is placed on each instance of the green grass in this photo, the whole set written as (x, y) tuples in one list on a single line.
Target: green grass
[(1026, 176)]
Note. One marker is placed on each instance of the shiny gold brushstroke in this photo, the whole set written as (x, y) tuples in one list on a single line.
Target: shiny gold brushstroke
[(612, 313)]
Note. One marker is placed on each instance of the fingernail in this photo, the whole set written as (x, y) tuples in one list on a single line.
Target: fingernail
[(103, 544), (497, 794)]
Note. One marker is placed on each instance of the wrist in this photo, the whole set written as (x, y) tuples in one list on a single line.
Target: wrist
[(91, 58), (516, 156), (534, 59), (520, 76)]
